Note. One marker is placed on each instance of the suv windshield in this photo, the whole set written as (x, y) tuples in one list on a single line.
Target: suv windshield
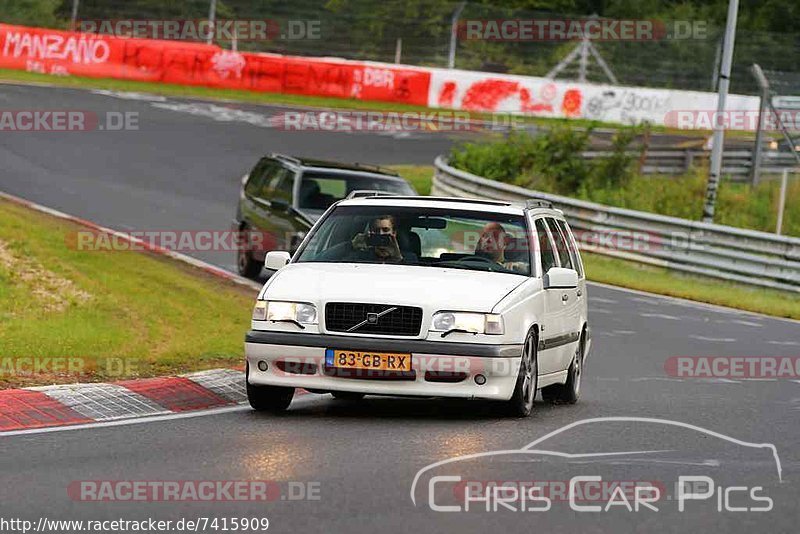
[(435, 237), (319, 190)]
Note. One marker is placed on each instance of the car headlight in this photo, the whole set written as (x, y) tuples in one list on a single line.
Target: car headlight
[(279, 311), (474, 323)]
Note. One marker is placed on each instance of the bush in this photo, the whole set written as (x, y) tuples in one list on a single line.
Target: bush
[(552, 161)]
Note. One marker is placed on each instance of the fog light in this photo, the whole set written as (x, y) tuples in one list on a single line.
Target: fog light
[(262, 366), (480, 380)]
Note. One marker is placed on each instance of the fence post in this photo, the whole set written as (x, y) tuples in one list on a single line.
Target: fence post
[(451, 59), (763, 83), (212, 20), (398, 50), (73, 25)]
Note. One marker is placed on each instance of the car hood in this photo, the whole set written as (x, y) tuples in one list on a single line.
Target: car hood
[(430, 287)]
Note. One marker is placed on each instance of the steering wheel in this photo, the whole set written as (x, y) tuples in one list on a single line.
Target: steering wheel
[(491, 264)]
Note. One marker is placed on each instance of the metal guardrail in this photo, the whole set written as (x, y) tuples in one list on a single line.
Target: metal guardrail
[(724, 252), (736, 163)]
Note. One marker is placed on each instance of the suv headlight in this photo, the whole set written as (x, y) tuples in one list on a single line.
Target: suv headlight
[(474, 323), (279, 311)]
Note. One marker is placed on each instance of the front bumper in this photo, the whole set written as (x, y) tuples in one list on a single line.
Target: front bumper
[(289, 356)]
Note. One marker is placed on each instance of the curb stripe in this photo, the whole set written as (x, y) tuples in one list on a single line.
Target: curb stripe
[(33, 409), (176, 394), (103, 402)]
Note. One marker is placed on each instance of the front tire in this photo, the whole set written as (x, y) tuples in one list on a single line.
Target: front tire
[(245, 264), (521, 402), (570, 392), (272, 399)]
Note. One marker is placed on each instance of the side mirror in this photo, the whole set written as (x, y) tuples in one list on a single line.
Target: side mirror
[(560, 278), (279, 204), (276, 259)]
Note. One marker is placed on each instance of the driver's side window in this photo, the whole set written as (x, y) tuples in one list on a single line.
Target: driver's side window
[(546, 252)]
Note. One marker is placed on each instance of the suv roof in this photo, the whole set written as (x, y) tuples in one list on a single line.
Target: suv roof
[(325, 164), (477, 204)]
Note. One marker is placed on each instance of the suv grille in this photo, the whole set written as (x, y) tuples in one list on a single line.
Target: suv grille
[(400, 321)]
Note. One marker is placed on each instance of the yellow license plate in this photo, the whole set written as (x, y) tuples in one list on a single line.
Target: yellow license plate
[(379, 361)]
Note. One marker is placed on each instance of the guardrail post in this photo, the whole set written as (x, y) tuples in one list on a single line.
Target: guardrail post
[(688, 159), (782, 201)]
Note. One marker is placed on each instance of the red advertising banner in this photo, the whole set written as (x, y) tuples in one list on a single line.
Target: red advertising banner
[(84, 54)]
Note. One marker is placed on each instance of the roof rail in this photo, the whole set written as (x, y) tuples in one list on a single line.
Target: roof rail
[(531, 203), (286, 157), (378, 168), (364, 193)]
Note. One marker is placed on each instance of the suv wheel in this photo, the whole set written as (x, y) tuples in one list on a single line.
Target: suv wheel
[(347, 395), (570, 392), (273, 399), (521, 402), (246, 265)]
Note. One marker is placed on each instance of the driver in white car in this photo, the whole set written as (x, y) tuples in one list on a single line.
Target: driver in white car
[(492, 245)]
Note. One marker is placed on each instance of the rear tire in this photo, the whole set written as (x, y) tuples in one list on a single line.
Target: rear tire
[(570, 392), (347, 395), (521, 402), (272, 399)]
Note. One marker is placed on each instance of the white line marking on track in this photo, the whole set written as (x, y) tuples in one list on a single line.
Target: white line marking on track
[(746, 323), (598, 310), (624, 332), (656, 379), (604, 301), (660, 316), (714, 339), (783, 343)]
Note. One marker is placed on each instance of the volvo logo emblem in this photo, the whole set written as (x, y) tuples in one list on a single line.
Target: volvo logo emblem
[(372, 318)]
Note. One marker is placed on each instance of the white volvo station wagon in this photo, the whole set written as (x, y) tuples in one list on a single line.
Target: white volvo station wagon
[(424, 296)]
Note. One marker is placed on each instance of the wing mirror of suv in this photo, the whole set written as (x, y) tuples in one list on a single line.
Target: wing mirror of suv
[(276, 259), (560, 278), (279, 204)]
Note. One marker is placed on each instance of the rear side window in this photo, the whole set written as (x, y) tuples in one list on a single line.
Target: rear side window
[(281, 185), (258, 177), (573, 249), (548, 258), (561, 244)]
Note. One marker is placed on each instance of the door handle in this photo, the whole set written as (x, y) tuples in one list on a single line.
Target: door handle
[(580, 292), (564, 297)]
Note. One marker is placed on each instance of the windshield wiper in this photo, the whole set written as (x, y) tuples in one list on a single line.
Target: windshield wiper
[(458, 331), (296, 323)]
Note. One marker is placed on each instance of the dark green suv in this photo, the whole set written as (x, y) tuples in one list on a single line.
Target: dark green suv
[(283, 196)]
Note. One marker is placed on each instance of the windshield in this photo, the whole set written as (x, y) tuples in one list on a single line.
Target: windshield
[(435, 237), (319, 190)]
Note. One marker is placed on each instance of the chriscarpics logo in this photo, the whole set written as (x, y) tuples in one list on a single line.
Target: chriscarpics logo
[(608, 466)]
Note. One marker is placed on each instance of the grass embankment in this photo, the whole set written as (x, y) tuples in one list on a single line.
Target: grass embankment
[(96, 316), (633, 275)]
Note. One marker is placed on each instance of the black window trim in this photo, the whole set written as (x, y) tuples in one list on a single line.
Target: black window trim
[(539, 266)]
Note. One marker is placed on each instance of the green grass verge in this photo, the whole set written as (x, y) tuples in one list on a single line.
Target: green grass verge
[(633, 275), (699, 288), (420, 176), (109, 315)]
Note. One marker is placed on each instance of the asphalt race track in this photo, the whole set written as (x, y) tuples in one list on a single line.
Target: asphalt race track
[(358, 460)]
